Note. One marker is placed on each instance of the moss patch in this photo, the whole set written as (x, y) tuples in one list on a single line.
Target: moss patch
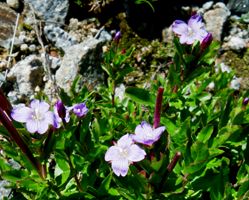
[(239, 62)]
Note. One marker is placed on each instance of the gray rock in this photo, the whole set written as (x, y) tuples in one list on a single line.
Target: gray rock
[(215, 19), (7, 24), (206, 6), (82, 58), (236, 43), (103, 35), (13, 3), (32, 48), (237, 39), (24, 47), (51, 11), (28, 74), (13, 97), (238, 6), (59, 37)]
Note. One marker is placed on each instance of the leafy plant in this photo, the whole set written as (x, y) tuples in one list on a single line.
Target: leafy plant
[(195, 148)]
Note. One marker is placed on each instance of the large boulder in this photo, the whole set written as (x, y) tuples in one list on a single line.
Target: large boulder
[(83, 58)]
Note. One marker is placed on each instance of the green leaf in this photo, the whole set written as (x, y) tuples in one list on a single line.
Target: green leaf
[(205, 134), (62, 168), (140, 95), (15, 175), (170, 126), (243, 192), (113, 192), (156, 164), (105, 185), (200, 155), (224, 134)]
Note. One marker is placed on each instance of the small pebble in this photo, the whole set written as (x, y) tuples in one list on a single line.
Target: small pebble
[(24, 47), (32, 48)]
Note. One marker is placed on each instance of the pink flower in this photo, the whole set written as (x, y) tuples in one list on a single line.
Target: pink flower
[(37, 117), (190, 32), (146, 134), (122, 154)]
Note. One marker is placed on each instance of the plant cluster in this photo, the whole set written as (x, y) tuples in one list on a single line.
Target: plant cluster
[(196, 147)]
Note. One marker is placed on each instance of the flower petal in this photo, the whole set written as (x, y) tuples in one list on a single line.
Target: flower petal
[(80, 109), (125, 141), (138, 138), (183, 39), (158, 131), (143, 128), (43, 106), (179, 27), (195, 20), (136, 153), (21, 113), (49, 118), (42, 127), (32, 125), (120, 167), (67, 118), (113, 153), (35, 103)]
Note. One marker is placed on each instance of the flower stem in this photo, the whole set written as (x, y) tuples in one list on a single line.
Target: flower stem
[(170, 168), (173, 162), (158, 106), (5, 104)]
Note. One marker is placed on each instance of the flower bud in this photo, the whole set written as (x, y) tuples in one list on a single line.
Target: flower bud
[(117, 37), (61, 109), (206, 41), (158, 106), (245, 101)]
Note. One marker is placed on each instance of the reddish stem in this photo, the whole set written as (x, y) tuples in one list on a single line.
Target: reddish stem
[(173, 162), (4, 103), (158, 106)]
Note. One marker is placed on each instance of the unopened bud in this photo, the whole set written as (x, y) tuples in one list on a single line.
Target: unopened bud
[(117, 37), (206, 41), (61, 109), (245, 101)]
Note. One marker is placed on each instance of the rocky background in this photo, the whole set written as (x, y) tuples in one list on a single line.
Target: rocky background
[(46, 44)]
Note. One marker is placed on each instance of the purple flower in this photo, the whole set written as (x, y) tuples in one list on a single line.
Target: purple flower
[(37, 117), (61, 113), (145, 134), (122, 154), (189, 33), (80, 109), (117, 37)]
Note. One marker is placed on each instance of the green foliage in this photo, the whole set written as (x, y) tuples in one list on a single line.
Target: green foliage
[(209, 127)]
